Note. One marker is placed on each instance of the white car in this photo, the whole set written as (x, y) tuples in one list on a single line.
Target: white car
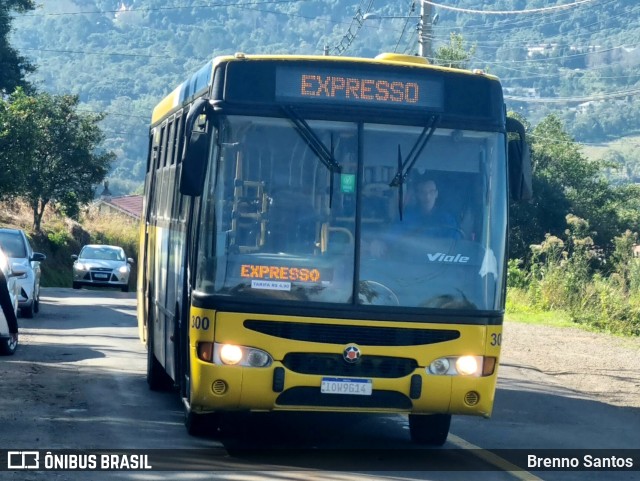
[(102, 266), (16, 246), (11, 274)]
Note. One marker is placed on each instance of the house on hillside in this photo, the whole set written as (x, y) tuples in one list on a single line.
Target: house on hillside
[(127, 205)]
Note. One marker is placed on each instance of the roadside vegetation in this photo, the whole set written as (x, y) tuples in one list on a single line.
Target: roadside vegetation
[(60, 237), (570, 281)]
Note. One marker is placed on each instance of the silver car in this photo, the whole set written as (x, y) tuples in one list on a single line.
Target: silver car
[(11, 273), (17, 247), (102, 266)]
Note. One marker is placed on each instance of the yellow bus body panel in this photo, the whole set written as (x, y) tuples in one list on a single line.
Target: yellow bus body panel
[(251, 388)]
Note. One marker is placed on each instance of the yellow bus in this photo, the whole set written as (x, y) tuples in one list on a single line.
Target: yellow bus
[(272, 182)]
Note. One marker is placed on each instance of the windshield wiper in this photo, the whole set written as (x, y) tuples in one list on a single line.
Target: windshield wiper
[(315, 143), (404, 167)]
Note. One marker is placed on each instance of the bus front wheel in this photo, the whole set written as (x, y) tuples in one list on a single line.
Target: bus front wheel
[(430, 429)]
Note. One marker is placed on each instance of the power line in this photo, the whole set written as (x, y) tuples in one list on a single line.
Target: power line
[(564, 57), (215, 5), (566, 73), (117, 54), (579, 143), (501, 41), (559, 100), (504, 41), (412, 9), (90, 111), (508, 12), (356, 24), (410, 42), (519, 21)]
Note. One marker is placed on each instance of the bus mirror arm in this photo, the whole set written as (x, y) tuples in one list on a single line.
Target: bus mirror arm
[(520, 176), (194, 156)]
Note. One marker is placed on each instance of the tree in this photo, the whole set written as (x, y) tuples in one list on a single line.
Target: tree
[(61, 159), (13, 67), (454, 55), (16, 130), (564, 182)]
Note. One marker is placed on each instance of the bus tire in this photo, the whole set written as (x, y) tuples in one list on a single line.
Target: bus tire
[(157, 378), (429, 429)]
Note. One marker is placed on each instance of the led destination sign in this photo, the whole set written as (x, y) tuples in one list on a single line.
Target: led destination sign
[(285, 273), (355, 87)]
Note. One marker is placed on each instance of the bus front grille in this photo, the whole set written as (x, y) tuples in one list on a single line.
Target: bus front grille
[(334, 365), (311, 396)]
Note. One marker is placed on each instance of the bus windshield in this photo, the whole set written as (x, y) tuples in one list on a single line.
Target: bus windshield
[(279, 223)]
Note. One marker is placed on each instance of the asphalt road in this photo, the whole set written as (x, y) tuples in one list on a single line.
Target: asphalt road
[(78, 382)]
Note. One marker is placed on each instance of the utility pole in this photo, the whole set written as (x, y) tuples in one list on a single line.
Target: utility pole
[(425, 33), (425, 26)]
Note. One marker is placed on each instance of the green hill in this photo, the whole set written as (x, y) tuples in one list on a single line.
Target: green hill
[(123, 56)]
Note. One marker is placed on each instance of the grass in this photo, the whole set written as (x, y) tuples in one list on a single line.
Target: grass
[(519, 309), (545, 318)]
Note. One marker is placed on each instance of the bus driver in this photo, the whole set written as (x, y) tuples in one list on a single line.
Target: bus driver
[(424, 217)]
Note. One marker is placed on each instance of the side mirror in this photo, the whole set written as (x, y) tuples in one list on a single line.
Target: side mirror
[(38, 257), (74, 257), (18, 270), (130, 260), (196, 148), (519, 160)]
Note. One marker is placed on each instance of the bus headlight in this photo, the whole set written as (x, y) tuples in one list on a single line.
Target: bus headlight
[(462, 366), (232, 355), (440, 366), (468, 365)]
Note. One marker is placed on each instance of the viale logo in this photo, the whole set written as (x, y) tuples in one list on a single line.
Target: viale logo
[(453, 259)]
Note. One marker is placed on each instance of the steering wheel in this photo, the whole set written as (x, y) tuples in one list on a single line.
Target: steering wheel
[(376, 294)]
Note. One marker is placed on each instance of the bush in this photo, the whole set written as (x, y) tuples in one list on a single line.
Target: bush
[(114, 230), (58, 238), (569, 275), (516, 276)]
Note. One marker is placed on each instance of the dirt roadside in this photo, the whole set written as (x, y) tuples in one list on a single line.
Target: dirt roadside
[(596, 364)]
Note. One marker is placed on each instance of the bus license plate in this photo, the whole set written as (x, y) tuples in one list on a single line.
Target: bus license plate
[(336, 385)]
